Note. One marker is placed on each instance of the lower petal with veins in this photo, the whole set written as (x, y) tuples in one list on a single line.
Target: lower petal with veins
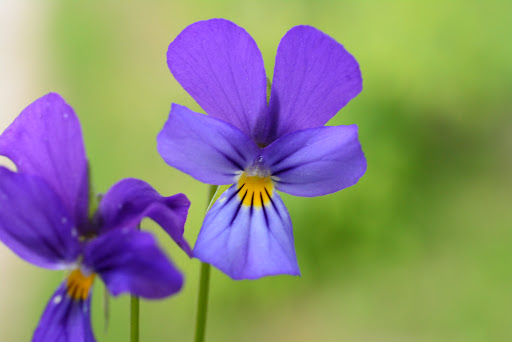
[(247, 233)]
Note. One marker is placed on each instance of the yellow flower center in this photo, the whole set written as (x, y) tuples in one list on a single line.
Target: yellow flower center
[(78, 284), (255, 190)]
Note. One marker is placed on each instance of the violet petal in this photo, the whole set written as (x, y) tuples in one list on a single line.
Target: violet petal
[(130, 200), (314, 77), (208, 149), (34, 223), (247, 241), (46, 140), (220, 66), (316, 161), (65, 319), (130, 261)]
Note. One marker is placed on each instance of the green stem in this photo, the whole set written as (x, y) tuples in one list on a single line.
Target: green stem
[(202, 302), (204, 285), (134, 319)]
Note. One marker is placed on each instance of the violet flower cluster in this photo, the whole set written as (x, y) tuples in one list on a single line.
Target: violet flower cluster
[(260, 147), (260, 144), (44, 218)]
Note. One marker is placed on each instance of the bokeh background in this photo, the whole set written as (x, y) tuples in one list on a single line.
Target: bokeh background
[(418, 250)]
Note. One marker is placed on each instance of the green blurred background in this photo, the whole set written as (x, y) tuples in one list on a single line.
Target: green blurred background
[(418, 250)]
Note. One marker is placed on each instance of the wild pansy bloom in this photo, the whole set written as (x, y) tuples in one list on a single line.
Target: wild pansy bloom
[(44, 219), (260, 148)]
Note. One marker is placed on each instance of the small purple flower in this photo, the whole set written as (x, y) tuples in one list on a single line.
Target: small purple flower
[(260, 148), (44, 219)]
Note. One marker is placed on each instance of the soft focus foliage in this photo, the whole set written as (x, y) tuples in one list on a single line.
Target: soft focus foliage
[(418, 250)]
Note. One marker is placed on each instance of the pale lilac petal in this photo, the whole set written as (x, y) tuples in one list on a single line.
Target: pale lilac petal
[(220, 66), (130, 261), (247, 242), (46, 140), (316, 161), (210, 150), (34, 223), (314, 77), (65, 319), (130, 200)]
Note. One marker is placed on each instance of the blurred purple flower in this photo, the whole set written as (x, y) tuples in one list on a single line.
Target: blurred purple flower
[(260, 148), (44, 219)]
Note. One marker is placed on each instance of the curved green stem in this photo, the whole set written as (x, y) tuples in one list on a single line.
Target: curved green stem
[(204, 284)]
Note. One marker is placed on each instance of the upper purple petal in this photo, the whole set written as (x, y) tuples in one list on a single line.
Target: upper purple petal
[(220, 66), (314, 77), (248, 241), (46, 140), (208, 149), (65, 319), (34, 222), (316, 161), (130, 261), (130, 200)]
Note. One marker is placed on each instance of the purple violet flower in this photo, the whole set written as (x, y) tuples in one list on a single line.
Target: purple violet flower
[(260, 148), (44, 219)]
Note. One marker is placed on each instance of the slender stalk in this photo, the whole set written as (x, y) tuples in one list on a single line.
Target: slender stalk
[(202, 302), (204, 285), (134, 317)]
